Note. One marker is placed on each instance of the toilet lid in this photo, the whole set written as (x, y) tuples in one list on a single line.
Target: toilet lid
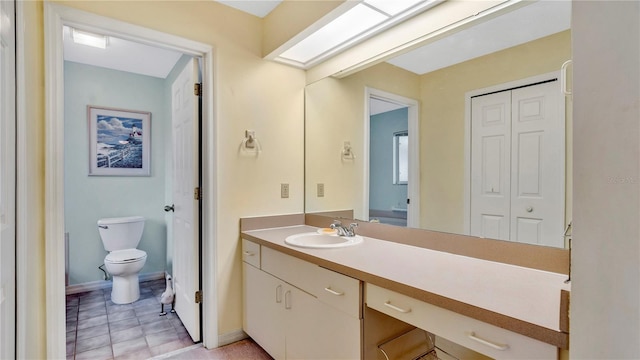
[(125, 256)]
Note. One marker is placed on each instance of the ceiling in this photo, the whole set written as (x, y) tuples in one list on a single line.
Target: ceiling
[(259, 8), (122, 55), (528, 23)]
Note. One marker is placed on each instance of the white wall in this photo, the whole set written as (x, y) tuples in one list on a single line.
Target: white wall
[(605, 296), (89, 198)]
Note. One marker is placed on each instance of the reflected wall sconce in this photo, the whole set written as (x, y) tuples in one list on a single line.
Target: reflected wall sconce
[(347, 152), (250, 144)]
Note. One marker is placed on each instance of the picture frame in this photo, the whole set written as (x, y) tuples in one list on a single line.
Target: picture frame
[(119, 142)]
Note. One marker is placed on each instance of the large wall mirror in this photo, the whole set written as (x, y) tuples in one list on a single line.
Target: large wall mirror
[(478, 116)]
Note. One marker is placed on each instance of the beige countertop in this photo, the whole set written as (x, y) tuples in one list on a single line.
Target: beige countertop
[(521, 299)]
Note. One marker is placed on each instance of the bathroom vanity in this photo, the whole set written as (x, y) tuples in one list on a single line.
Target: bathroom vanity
[(340, 303)]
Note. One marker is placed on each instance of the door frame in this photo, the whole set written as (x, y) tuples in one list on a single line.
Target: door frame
[(55, 16), (413, 188), (467, 131)]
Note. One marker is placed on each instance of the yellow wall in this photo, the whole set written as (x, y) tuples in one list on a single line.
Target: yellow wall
[(442, 120), (250, 94), (32, 338), (334, 114)]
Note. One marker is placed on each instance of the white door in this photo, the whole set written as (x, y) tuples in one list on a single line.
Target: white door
[(490, 159), (186, 175), (517, 165), (7, 182), (537, 165)]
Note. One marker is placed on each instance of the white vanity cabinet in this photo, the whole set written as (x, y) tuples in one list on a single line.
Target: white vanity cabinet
[(298, 310), (479, 336)]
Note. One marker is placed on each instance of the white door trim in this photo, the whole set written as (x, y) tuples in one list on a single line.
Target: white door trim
[(413, 190), (467, 130), (55, 16), (22, 208)]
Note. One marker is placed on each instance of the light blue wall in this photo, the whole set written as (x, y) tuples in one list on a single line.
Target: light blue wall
[(383, 194), (177, 69), (89, 198)]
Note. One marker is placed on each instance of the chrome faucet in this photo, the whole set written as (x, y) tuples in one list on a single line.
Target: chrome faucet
[(342, 230)]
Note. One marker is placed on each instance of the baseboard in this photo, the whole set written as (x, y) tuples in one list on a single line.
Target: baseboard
[(105, 284), (228, 338)]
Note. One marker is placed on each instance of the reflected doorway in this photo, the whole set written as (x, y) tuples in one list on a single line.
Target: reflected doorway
[(391, 167)]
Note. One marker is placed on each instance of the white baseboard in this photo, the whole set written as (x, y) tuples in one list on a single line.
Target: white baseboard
[(104, 284), (228, 338)]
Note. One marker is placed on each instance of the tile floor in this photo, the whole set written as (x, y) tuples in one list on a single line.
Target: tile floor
[(99, 329)]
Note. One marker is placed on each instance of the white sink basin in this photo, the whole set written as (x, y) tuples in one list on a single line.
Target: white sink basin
[(322, 241)]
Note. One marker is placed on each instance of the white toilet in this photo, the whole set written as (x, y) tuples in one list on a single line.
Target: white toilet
[(120, 237)]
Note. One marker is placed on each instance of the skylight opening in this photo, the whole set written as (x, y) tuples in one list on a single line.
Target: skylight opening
[(357, 24)]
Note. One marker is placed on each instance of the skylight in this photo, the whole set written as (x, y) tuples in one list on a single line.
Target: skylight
[(363, 20)]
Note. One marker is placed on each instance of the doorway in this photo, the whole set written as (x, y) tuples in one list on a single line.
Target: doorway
[(391, 164), (55, 18)]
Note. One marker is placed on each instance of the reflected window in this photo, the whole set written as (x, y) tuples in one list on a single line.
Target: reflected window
[(401, 158)]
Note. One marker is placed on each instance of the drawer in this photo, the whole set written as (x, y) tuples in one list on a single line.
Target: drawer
[(296, 272), (339, 291), (484, 338), (251, 253)]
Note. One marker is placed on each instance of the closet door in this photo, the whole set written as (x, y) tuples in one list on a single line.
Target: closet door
[(537, 165), (518, 165), (490, 165)]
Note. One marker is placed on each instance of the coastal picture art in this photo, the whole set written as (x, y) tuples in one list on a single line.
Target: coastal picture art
[(119, 142)]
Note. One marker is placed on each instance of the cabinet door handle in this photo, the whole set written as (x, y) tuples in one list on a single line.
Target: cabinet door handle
[(501, 347), (249, 253), (331, 291), (396, 308), (279, 294), (287, 300)]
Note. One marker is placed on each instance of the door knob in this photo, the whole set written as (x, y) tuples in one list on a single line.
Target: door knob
[(168, 208), (529, 209)]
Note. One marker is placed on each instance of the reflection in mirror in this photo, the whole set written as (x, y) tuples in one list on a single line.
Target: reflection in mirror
[(518, 48)]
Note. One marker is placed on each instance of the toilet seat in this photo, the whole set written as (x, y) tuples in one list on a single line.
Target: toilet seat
[(125, 256)]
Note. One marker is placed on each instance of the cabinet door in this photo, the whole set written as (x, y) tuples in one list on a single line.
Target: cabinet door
[(264, 310), (315, 330)]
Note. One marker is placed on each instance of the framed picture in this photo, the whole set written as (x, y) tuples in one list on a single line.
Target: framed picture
[(119, 142)]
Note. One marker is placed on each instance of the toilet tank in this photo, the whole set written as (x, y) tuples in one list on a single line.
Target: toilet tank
[(121, 233)]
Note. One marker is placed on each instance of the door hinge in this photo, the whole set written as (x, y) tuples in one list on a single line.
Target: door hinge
[(196, 193), (198, 297), (197, 89)]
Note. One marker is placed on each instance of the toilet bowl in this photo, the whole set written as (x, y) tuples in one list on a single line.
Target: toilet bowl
[(121, 236)]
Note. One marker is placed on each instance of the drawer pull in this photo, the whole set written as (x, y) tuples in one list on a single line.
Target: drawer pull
[(472, 336), (287, 300), (279, 294), (249, 253), (336, 293), (396, 308)]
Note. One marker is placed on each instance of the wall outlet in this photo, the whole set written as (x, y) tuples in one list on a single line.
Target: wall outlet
[(284, 190), (320, 190)]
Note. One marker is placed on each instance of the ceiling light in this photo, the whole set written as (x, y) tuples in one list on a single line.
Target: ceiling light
[(394, 7), (352, 23), (90, 39), (360, 22)]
